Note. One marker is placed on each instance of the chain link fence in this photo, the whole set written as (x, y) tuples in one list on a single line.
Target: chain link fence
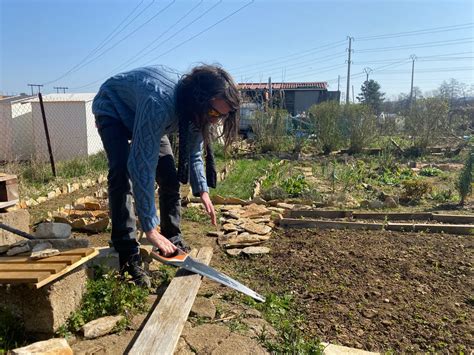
[(50, 144)]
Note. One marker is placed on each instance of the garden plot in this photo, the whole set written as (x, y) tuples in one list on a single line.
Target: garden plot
[(374, 290)]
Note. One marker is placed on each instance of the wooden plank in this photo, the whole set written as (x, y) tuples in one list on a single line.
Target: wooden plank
[(13, 277), (451, 218), (79, 251), (67, 269), (464, 229), (318, 213), (161, 333), (49, 267), (394, 216), (5, 204), (309, 223), (67, 259)]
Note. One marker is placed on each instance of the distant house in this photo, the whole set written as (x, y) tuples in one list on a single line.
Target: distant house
[(71, 127), (295, 97)]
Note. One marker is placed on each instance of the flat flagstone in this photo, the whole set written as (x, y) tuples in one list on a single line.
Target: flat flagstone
[(255, 228), (101, 326), (53, 346)]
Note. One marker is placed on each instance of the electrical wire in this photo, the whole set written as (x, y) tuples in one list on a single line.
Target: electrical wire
[(110, 36), (418, 45), (201, 32), (127, 36), (417, 32)]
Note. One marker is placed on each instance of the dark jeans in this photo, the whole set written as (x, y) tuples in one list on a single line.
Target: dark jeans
[(115, 138)]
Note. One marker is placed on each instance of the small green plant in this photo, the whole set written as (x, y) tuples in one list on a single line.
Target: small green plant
[(430, 171), (295, 186), (464, 184), (107, 294), (12, 333), (280, 312), (195, 214), (415, 190)]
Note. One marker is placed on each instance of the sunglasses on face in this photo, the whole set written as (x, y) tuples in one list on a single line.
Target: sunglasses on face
[(213, 113)]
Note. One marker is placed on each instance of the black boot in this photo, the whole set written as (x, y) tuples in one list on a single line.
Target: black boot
[(132, 264), (179, 242)]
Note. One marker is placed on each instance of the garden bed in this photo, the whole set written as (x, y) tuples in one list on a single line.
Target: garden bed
[(374, 290)]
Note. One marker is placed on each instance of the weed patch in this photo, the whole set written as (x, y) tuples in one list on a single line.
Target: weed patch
[(108, 294), (280, 312), (12, 333)]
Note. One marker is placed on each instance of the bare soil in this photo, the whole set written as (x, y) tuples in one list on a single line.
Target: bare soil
[(374, 290)]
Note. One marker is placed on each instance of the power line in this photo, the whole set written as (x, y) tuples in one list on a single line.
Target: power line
[(187, 40), (138, 55), (418, 45), (201, 32), (418, 32), (110, 36), (118, 42), (297, 54), (135, 58), (272, 69)]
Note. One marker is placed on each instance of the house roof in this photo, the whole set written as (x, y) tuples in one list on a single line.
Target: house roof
[(321, 85), (15, 99), (73, 97)]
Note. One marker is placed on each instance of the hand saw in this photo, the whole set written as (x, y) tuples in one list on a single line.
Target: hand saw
[(184, 260)]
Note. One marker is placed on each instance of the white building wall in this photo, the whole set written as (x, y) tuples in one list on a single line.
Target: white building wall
[(94, 143), (16, 130), (67, 130)]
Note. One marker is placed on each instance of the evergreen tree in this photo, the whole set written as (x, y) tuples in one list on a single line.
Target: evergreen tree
[(465, 179), (371, 95)]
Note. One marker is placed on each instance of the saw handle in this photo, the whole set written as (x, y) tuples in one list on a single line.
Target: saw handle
[(178, 256)]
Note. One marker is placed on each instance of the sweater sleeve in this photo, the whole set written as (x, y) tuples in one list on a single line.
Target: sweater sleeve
[(143, 160), (196, 166)]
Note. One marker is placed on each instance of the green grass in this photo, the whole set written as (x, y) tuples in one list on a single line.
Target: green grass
[(108, 294), (240, 182), (36, 178)]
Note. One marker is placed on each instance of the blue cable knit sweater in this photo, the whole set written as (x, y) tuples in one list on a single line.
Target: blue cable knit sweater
[(144, 100)]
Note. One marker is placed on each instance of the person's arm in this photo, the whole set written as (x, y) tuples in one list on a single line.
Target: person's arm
[(197, 176), (142, 163)]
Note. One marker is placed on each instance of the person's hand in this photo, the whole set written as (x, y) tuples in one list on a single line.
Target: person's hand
[(209, 207), (159, 241)]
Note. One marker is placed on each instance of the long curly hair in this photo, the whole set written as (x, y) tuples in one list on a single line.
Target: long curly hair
[(195, 92)]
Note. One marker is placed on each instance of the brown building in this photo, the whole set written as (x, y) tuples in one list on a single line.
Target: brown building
[(295, 97)]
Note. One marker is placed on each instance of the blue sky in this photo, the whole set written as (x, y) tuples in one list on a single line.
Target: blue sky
[(52, 42)]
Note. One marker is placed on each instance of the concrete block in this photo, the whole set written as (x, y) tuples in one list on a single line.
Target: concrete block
[(51, 230), (45, 309), (107, 257), (19, 219)]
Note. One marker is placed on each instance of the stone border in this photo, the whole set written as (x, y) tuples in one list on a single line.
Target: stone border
[(65, 189)]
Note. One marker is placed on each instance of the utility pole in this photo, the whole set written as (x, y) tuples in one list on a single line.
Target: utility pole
[(413, 58), (348, 88), (338, 81), (63, 88), (353, 101), (35, 85), (367, 71)]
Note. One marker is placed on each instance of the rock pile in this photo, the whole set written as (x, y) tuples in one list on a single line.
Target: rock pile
[(244, 228), (88, 214)]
